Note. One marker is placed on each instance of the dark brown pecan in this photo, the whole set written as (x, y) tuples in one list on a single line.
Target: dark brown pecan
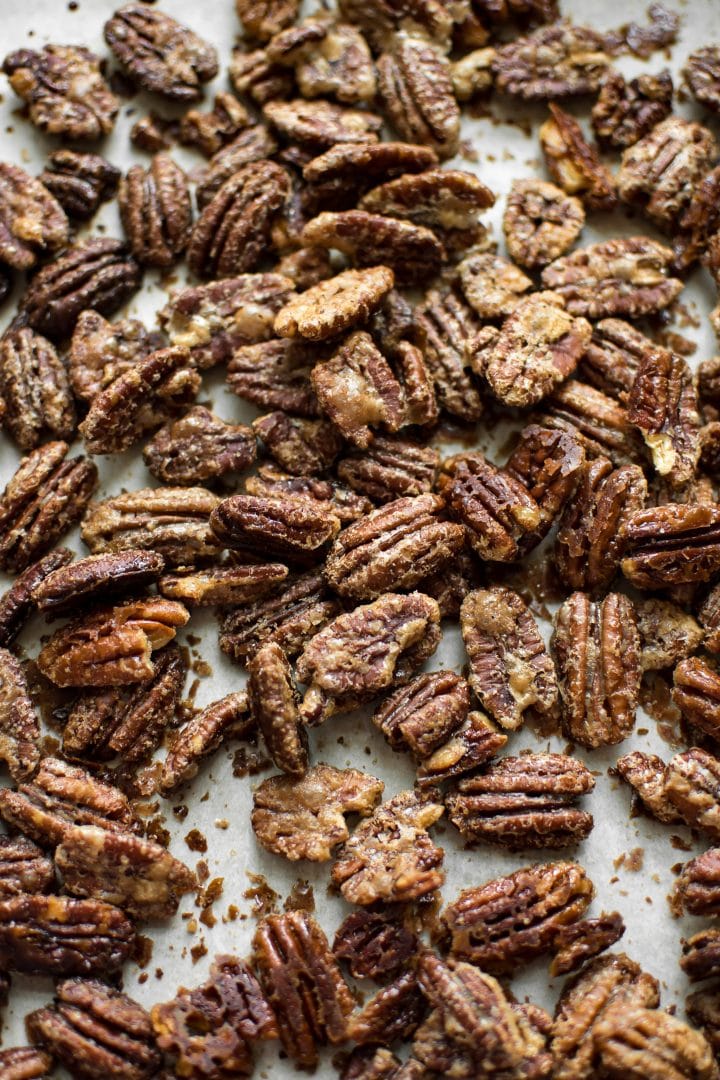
[(306, 267), (80, 182), (699, 223), (645, 773), (421, 716), (359, 166), (252, 74), (60, 797), (274, 706), (702, 75), (303, 817), (19, 725), (700, 958), (524, 802), (302, 446), (159, 53), (709, 617), (64, 90), (155, 211), (24, 868), (275, 375), (585, 999), (613, 357), (587, 547), (66, 587), (490, 284), (291, 528), (390, 855), (96, 1032), (253, 144), (696, 692), (598, 421), (43, 499), (303, 983), (597, 653), (391, 1015), (363, 652), (416, 94), (332, 306), (574, 162), (584, 940), (97, 273), (626, 277), (101, 351), (663, 404), (698, 887), (207, 1032), (390, 468), (671, 545), (412, 251), (199, 447), (374, 944), (468, 747), (318, 125), (540, 224), (153, 133), (643, 40), (32, 221), (394, 547), (59, 935), (200, 736), (554, 61), (667, 634), (510, 669), (338, 65), (631, 1043), (691, 785), (421, 405), (223, 586), (25, 1063), (660, 171), (510, 921), (625, 110), (35, 387), (18, 603), (329, 496), (210, 131), (445, 326), (549, 463)]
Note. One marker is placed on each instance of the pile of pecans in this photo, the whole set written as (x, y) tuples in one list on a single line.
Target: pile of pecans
[(349, 289)]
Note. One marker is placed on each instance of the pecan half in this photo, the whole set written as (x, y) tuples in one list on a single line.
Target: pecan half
[(302, 446), (318, 125), (339, 65), (391, 1015), (631, 1042), (646, 774), (326, 494), (540, 224), (700, 958), (555, 61), (416, 94), (332, 306), (262, 19), (584, 940), (374, 944), (32, 221), (66, 587), (199, 447), (25, 1063), (445, 326), (290, 528), (390, 468), (550, 464), (24, 868), (358, 166), (275, 375), (380, 19), (663, 404), (413, 252), (691, 785), (614, 356), (101, 351), (698, 886), (702, 75), (274, 706), (625, 110), (201, 736), (574, 163), (19, 725), (210, 131), (80, 182), (422, 715), (155, 211), (671, 545), (223, 586), (471, 745), (492, 285), (598, 421), (18, 602), (696, 692), (253, 74)]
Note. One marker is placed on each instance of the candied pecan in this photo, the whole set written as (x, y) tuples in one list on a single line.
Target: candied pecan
[(554, 61), (422, 715), (699, 223), (574, 163), (625, 111), (32, 221), (696, 692), (549, 463), (510, 669), (627, 277), (80, 182), (698, 887), (510, 921), (371, 1063), (671, 545), (597, 654), (66, 587), (667, 634), (303, 817), (702, 1011), (700, 957), (583, 1003), (207, 1032), (306, 267), (300, 445), (64, 89), (24, 868), (43, 499), (19, 725), (365, 651), (391, 1015), (643, 40), (540, 224), (390, 468), (472, 75), (97, 273), (632, 1043), (361, 165), (262, 19), (210, 131), (524, 802), (663, 404), (273, 702), (709, 617), (584, 940), (155, 211), (290, 528), (421, 405), (645, 773), (96, 1032), (374, 944), (691, 785), (327, 495), (473, 744), (599, 423), (59, 935), (255, 143), (101, 351), (491, 284), (199, 447), (702, 75), (416, 93), (159, 53), (174, 522), (153, 133), (25, 1063), (200, 736), (380, 18), (223, 586), (445, 326), (253, 74), (275, 374), (390, 856), (412, 251), (36, 390), (303, 983), (318, 125), (338, 65), (332, 306), (613, 357)]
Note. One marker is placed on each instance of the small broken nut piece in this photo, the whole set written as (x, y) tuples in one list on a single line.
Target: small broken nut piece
[(541, 222), (422, 715), (625, 111), (701, 955), (274, 702), (646, 773), (667, 634)]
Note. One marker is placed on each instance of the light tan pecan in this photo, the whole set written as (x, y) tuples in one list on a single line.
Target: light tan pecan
[(17, 603), (555, 61), (445, 326), (574, 162), (199, 447), (156, 211), (663, 404), (19, 725), (667, 634), (307, 266), (335, 305), (36, 390), (32, 221), (273, 702), (625, 111), (597, 420), (632, 1043), (472, 74), (540, 224), (549, 463), (413, 252), (291, 528), (24, 868), (416, 94), (302, 446), (671, 545), (584, 940), (491, 285), (390, 468), (201, 736)]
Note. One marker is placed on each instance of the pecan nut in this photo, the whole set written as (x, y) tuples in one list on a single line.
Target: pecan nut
[(19, 725), (18, 602), (702, 75), (413, 252), (600, 423), (274, 706), (326, 494), (445, 325), (555, 61), (319, 125), (101, 351), (339, 65), (584, 940), (646, 774), (390, 468), (691, 785), (223, 586), (490, 284), (375, 945), (96, 576), (574, 163), (24, 868), (625, 111), (80, 182), (663, 404), (633, 1042), (550, 465), (667, 634), (290, 528), (155, 211), (302, 446), (696, 692), (671, 545), (210, 131), (700, 957), (262, 19), (416, 94), (702, 1011), (698, 886), (199, 447), (201, 736), (32, 221), (391, 1015), (332, 306), (613, 357), (25, 1063), (473, 744), (275, 375), (541, 222), (422, 715)]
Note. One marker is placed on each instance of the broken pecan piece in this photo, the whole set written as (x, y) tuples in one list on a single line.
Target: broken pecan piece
[(555, 61), (332, 306), (300, 445), (663, 404), (318, 125), (100, 351), (700, 958), (645, 773), (667, 634), (692, 785), (584, 940), (273, 702), (574, 163), (32, 221), (19, 725), (671, 545), (155, 211), (210, 131), (223, 586), (201, 736), (413, 252), (262, 19), (702, 75), (632, 1043), (540, 224), (24, 868), (199, 447), (416, 93), (625, 111), (375, 944)]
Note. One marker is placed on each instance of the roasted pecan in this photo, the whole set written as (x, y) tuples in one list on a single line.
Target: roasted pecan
[(540, 224), (699, 223), (709, 617), (412, 251), (210, 131), (25, 1063), (252, 74), (702, 75), (600, 423), (223, 586), (696, 692), (625, 111), (390, 468), (327, 495), (391, 1015), (645, 773), (101, 351), (153, 133), (471, 745), (300, 445), (35, 387), (671, 545), (445, 326), (379, 19), (338, 65), (390, 856), (359, 166), (255, 143), (318, 125), (18, 603), (421, 716), (155, 211), (554, 61), (613, 357), (667, 634), (199, 447), (472, 74), (416, 94), (702, 1011), (19, 725), (698, 887), (43, 499), (510, 921), (375, 944), (643, 40), (663, 404), (291, 528), (80, 182), (691, 785), (549, 463), (159, 53), (275, 375), (490, 284), (207, 1032), (24, 868), (262, 19), (200, 736), (332, 306), (306, 267), (174, 522), (631, 1043), (421, 405), (700, 958), (574, 162), (584, 940), (67, 587), (32, 221), (96, 1032), (64, 90), (274, 706), (303, 984), (303, 818), (97, 273)]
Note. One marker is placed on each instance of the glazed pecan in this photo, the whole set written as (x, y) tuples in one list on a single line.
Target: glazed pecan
[(64, 89), (584, 940), (199, 447), (101, 351), (306, 267), (631, 1043), (574, 162), (391, 1015), (390, 468), (698, 886), (625, 111), (540, 224), (663, 404), (702, 1011), (223, 586), (691, 785), (32, 221), (416, 94), (155, 211), (422, 715), (379, 19), (210, 131), (390, 855), (319, 125), (702, 75), (24, 868), (363, 652), (332, 306), (413, 252), (359, 166), (80, 182), (597, 654), (445, 326), (291, 528), (25, 1063), (421, 405), (338, 65), (252, 74), (19, 725), (59, 935), (262, 19), (273, 702), (700, 958), (18, 602), (303, 983), (96, 576), (159, 53), (303, 817), (200, 736), (555, 61), (471, 745), (275, 375), (472, 74), (97, 273), (302, 446), (374, 944), (96, 1032), (153, 133), (671, 545), (667, 634), (174, 522), (44, 498), (327, 495), (549, 463), (646, 773), (490, 284), (614, 356), (35, 387), (699, 223), (510, 921), (598, 421), (709, 617), (207, 1032), (524, 802), (696, 692)]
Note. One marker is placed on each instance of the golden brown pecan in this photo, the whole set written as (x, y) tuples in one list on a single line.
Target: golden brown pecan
[(273, 702), (339, 65), (374, 944), (61, 796), (318, 125), (667, 634), (696, 692), (326, 494), (174, 522), (64, 89), (46, 495), (583, 1003), (524, 802), (155, 211), (698, 887), (59, 935), (390, 856), (540, 224), (645, 773), (691, 785), (327, 309), (625, 111), (671, 545), (300, 445), (25, 1063), (663, 404), (508, 922), (275, 375), (584, 940), (633, 1043), (18, 602), (159, 53), (95, 577), (306, 267), (32, 221), (263, 18), (549, 463), (210, 131), (252, 74), (421, 716), (709, 617), (101, 351), (473, 744), (199, 447), (574, 163), (600, 423), (391, 1015), (303, 984), (412, 252), (380, 18), (390, 468), (291, 527), (223, 586), (207, 1032), (700, 958), (702, 75), (201, 736), (421, 406), (416, 94), (472, 74), (554, 61), (19, 725), (445, 326), (24, 868), (303, 818), (490, 284), (96, 1032)]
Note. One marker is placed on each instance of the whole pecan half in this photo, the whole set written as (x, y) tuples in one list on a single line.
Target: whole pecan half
[(584, 940), (421, 715), (25, 1063), (471, 745), (700, 957), (413, 252), (696, 692), (574, 162), (698, 886), (541, 222), (18, 602), (663, 404), (390, 468), (362, 165), (302, 446), (550, 464), (671, 545), (445, 326), (691, 785), (275, 375), (32, 221), (24, 868), (19, 725), (199, 447), (632, 1042), (490, 284), (319, 125), (667, 634), (625, 110), (97, 576), (599, 422), (201, 736), (80, 182), (290, 528), (554, 61), (702, 75), (613, 357), (273, 702), (223, 586), (338, 65), (391, 1015), (416, 94), (155, 211), (332, 306), (374, 944)]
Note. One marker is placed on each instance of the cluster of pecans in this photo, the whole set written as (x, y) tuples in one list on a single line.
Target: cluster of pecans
[(352, 294)]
